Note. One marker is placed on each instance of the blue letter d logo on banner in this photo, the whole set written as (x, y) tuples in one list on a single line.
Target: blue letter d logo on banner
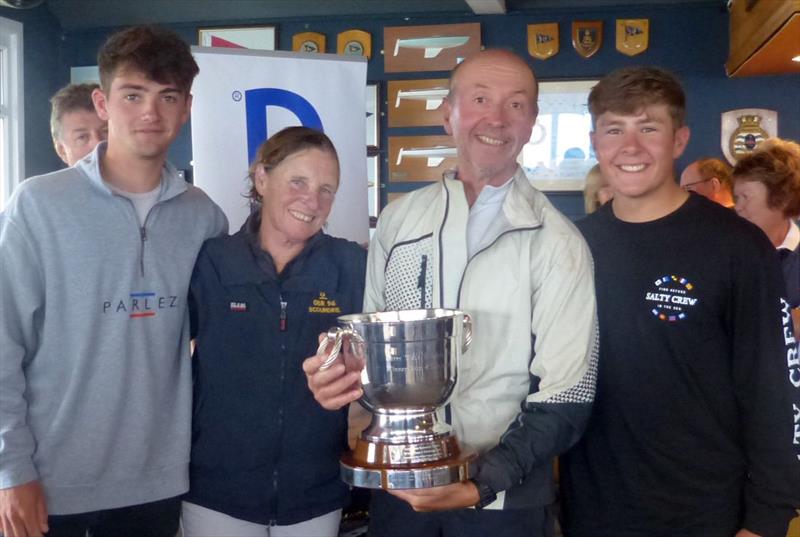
[(256, 102)]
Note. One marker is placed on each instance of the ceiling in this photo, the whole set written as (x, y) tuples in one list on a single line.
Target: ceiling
[(77, 15)]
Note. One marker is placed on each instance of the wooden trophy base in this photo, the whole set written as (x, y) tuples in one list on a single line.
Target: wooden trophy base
[(376, 465)]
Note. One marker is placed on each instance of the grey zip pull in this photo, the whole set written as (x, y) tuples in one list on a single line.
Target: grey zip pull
[(143, 239)]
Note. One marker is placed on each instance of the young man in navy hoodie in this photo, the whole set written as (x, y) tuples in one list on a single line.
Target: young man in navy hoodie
[(695, 429), (95, 261)]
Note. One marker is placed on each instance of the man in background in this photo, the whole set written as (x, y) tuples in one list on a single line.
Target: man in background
[(709, 177), (74, 123)]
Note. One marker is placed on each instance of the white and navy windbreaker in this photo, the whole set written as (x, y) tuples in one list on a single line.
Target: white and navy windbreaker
[(526, 384)]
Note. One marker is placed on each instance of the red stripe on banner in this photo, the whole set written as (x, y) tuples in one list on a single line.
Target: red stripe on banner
[(219, 42)]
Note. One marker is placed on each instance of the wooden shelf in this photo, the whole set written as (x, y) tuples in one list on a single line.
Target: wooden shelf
[(764, 37)]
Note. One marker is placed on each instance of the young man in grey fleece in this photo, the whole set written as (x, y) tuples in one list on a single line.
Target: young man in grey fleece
[(95, 261)]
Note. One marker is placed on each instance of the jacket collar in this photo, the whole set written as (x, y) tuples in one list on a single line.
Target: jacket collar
[(249, 264), (523, 206), (172, 184)]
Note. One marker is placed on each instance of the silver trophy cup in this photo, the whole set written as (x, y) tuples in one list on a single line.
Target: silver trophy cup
[(411, 368)]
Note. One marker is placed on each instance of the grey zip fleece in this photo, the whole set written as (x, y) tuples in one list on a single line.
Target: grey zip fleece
[(95, 381)]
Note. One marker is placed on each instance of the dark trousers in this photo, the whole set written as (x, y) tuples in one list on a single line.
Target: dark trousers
[(391, 517), (156, 519)]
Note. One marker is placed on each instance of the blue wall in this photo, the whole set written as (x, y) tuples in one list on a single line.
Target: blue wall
[(691, 40)]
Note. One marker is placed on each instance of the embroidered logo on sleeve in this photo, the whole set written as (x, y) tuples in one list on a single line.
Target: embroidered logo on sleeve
[(238, 306), (672, 298), (323, 304)]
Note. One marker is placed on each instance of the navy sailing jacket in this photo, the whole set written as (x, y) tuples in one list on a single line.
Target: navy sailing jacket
[(263, 450)]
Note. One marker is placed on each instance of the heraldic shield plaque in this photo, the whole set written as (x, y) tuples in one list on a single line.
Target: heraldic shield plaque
[(308, 42), (410, 370), (587, 37), (543, 40), (743, 130), (632, 36), (354, 43)]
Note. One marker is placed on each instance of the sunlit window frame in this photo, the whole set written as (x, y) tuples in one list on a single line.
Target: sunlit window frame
[(550, 180), (12, 150)]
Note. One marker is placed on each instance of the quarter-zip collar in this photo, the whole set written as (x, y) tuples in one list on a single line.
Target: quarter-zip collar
[(172, 184), (522, 209)]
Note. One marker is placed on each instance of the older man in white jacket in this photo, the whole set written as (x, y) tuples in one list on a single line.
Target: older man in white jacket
[(483, 240)]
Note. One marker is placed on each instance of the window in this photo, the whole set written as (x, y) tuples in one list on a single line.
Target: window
[(559, 153), (12, 143)]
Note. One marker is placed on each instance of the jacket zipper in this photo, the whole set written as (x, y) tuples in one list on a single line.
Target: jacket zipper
[(142, 230), (423, 272), (143, 237), (464, 272), (283, 324)]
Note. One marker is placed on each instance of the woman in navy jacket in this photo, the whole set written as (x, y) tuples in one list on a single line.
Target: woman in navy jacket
[(264, 453)]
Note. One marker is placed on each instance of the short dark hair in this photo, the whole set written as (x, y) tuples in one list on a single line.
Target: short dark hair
[(161, 54), (776, 164), (631, 89), (710, 168), (70, 98), (283, 144)]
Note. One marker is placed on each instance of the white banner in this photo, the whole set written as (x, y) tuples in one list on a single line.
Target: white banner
[(241, 97)]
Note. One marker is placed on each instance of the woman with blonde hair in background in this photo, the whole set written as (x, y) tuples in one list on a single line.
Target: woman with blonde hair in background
[(596, 192)]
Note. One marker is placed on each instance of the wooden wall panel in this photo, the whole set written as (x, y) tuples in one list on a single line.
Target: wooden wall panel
[(416, 103), (429, 48), (420, 158)]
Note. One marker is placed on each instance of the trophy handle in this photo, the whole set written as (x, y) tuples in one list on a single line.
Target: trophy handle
[(467, 333), (336, 336)]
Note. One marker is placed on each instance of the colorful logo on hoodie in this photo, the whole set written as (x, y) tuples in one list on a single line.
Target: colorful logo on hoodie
[(140, 304), (672, 298)]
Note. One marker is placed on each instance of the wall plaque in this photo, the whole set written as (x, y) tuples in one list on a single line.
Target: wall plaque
[(420, 158), (308, 42), (429, 48), (587, 37), (632, 36), (354, 43), (543, 40), (416, 103)]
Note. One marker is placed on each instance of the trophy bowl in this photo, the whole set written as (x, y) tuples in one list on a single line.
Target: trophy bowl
[(410, 370)]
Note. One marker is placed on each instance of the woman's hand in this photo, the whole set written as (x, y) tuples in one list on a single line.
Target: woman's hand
[(338, 385)]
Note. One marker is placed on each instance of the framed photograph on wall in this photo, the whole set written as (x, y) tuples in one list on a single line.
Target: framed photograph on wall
[(252, 37), (373, 115)]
